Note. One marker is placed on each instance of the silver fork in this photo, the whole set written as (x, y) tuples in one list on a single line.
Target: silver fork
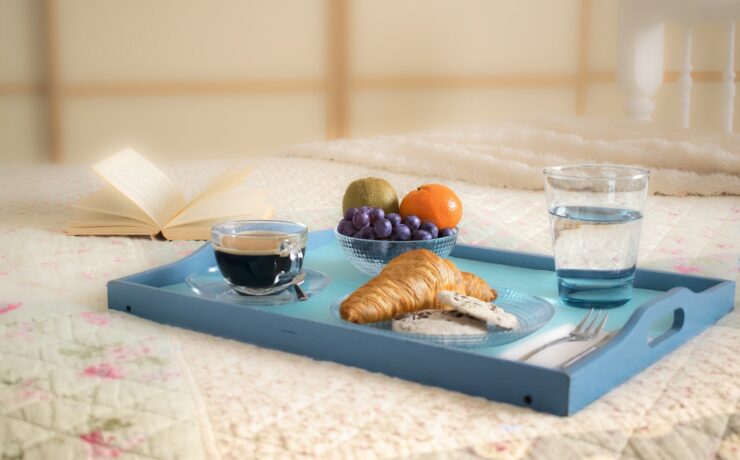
[(587, 329)]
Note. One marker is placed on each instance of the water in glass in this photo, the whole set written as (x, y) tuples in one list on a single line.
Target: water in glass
[(595, 253)]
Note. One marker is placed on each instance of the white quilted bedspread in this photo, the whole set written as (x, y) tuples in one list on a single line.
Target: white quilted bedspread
[(77, 381)]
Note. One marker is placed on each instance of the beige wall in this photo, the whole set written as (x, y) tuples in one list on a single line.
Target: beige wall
[(195, 79)]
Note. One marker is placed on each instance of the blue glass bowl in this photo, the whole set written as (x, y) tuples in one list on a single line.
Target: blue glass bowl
[(531, 312), (370, 256)]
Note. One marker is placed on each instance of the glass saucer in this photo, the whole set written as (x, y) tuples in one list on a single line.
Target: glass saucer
[(211, 285), (531, 311)]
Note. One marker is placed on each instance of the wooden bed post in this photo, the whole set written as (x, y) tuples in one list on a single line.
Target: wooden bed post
[(337, 72), (685, 81), (729, 80), (53, 85), (640, 58)]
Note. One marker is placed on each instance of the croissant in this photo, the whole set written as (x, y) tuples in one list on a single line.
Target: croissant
[(410, 282), (474, 286)]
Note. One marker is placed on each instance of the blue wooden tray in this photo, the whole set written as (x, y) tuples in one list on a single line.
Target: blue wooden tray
[(677, 306)]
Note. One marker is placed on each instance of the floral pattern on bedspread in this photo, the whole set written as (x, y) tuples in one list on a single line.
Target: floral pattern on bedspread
[(96, 384), (84, 384)]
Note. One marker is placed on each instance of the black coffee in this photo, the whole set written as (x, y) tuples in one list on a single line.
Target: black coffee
[(254, 262)]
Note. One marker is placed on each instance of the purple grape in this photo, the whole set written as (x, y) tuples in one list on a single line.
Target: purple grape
[(346, 228), (429, 227), (350, 213), (400, 233), (361, 220), (447, 232), (376, 214), (365, 209), (421, 235), (366, 233), (383, 228), (412, 222), (394, 218)]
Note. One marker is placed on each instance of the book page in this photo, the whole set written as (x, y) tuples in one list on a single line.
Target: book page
[(201, 230), (94, 223), (247, 204), (109, 231), (143, 183), (230, 179), (110, 201)]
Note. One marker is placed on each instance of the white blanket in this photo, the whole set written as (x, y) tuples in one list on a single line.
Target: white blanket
[(513, 155)]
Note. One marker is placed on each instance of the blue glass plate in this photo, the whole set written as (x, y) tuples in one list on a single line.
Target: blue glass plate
[(211, 284), (531, 311)]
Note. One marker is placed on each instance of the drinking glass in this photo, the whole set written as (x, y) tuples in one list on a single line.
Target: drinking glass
[(595, 219)]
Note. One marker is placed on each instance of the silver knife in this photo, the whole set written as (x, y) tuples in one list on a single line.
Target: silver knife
[(588, 350)]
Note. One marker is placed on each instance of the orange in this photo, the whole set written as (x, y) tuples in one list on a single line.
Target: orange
[(434, 202)]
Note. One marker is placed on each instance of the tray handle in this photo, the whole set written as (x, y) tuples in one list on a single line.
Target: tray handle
[(638, 327), (692, 313)]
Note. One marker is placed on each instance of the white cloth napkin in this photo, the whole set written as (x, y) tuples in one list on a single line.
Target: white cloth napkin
[(552, 356)]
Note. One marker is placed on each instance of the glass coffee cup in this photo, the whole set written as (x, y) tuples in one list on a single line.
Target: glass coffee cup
[(260, 257)]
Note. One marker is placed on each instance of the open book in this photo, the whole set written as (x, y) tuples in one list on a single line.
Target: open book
[(139, 199)]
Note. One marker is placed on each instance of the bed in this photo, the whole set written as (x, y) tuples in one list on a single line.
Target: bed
[(78, 381)]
